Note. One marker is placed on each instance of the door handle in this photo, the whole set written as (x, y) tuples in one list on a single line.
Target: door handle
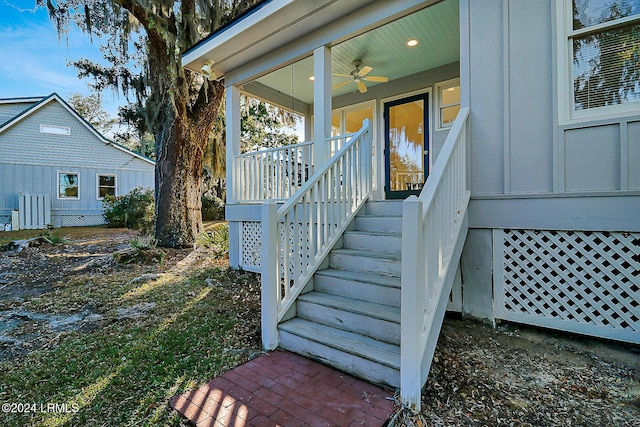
[(426, 152)]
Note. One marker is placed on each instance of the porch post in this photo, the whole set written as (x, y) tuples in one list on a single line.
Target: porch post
[(321, 104), (233, 149), (270, 277), (412, 313)]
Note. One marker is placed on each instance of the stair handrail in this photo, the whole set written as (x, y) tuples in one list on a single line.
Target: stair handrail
[(298, 236), (432, 225)]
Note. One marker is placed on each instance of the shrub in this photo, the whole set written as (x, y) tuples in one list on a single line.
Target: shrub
[(134, 210), (216, 239), (142, 250), (212, 207)]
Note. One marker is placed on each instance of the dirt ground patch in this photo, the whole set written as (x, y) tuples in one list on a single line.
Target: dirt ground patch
[(30, 278), (506, 376), (515, 375)]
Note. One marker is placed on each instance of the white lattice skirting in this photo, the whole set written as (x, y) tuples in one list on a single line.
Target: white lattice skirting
[(77, 220), (585, 282), (251, 245)]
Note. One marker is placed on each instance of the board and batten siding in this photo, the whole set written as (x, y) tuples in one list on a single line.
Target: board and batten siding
[(519, 146), (43, 179), (566, 191)]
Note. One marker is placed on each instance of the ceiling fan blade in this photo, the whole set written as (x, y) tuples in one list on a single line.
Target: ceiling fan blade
[(342, 75), (379, 79), (364, 71), (361, 86), (342, 84)]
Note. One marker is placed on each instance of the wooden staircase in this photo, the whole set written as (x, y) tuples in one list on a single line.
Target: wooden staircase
[(351, 320)]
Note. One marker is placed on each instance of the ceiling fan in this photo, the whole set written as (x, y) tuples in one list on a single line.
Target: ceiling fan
[(359, 76)]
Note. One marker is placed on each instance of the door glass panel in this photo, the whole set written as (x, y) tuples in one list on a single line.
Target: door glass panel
[(406, 146)]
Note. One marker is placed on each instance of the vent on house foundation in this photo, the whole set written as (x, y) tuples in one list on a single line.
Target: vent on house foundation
[(587, 282)]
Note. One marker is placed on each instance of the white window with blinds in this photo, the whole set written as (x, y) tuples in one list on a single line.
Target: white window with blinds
[(599, 57)]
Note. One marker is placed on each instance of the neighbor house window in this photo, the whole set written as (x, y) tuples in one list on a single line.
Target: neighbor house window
[(55, 130), (68, 185), (603, 48), (106, 186), (448, 102)]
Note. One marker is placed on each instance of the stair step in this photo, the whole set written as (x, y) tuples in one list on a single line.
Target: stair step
[(383, 207), (378, 321), (387, 263), (359, 285), (364, 357), (372, 240), (376, 223)]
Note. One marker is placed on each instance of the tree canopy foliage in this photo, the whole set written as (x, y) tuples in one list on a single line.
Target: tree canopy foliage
[(142, 42), (90, 108)]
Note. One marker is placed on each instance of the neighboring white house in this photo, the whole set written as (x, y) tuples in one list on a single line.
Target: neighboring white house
[(55, 168), (516, 129)]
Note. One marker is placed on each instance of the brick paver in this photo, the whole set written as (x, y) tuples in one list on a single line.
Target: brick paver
[(284, 389)]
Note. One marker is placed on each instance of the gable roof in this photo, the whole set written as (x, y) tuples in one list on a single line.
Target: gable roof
[(40, 102)]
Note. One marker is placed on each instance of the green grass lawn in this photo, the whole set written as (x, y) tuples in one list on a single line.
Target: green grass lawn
[(203, 321)]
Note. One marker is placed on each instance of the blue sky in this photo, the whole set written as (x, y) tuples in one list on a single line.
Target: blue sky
[(34, 62)]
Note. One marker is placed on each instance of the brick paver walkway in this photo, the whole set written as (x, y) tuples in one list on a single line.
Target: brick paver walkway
[(284, 389)]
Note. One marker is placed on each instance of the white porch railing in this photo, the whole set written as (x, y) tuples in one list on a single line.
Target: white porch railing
[(434, 227), (337, 142), (274, 173), (298, 236)]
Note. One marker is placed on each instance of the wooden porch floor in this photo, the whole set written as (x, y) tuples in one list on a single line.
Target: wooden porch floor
[(284, 389)]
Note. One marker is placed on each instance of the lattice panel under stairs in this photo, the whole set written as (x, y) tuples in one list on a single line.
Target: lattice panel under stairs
[(252, 245), (251, 241), (586, 282)]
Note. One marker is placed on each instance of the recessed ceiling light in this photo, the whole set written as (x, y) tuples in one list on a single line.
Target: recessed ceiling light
[(312, 78), (412, 42)]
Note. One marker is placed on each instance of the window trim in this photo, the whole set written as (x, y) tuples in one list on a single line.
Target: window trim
[(77, 174), (564, 47), (115, 184), (439, 105)]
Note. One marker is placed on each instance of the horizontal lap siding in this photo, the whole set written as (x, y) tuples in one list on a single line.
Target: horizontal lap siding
[(24, 144), (9, 111)]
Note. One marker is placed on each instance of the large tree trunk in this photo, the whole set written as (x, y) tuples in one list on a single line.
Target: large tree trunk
[(179, 170), (178, 182)]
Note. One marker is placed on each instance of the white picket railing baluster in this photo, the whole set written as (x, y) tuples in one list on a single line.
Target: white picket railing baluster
[(431, 226), (303, 230), (272, 174)]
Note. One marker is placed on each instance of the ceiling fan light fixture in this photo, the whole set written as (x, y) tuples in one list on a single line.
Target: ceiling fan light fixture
[(412, 42)]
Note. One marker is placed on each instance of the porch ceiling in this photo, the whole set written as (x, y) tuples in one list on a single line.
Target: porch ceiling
[(436, 28)]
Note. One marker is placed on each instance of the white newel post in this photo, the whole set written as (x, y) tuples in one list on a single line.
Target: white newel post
[(269, 260), (233, 149), (321, 104), (412, 314)]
